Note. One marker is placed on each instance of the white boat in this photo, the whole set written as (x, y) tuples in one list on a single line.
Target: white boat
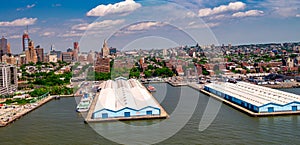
[(85, 103)]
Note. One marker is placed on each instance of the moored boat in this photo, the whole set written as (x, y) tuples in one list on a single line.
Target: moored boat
[(151, 88)]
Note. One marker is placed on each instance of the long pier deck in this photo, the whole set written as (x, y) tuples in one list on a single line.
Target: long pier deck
[(248, 112)]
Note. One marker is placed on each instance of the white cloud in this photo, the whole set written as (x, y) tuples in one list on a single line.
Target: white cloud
[(250, 13), (72, 34), (15, 37), (283, 8), (140, 27), (298, 15), (218, 17), (145, 26), (197, 25), (30, 6), (233, 6), (19, 22), (124, 7), (27, 7), (97, 25), (46, 34)]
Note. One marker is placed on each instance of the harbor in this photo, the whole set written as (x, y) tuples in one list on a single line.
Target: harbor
[(229, 122)]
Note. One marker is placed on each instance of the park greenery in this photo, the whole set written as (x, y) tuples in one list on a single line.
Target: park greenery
[(47, 82), (19, 101), (98, 76)]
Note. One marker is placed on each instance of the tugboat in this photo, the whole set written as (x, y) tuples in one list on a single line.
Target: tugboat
[(151, 88)]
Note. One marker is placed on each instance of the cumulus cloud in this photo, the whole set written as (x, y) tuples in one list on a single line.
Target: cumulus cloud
[(97, 25), (298, 15), (250, 13), (233, 6), (145, 26), (45, 34), (19, 22), (124, 7)]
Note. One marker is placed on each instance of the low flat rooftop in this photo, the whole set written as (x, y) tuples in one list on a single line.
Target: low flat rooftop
[(254, 94)]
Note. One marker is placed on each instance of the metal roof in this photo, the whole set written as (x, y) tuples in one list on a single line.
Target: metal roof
[(254, 94), (121, 93)]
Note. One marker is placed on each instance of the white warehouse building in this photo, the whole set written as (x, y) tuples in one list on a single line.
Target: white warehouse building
[(255, 98), (124, 98)]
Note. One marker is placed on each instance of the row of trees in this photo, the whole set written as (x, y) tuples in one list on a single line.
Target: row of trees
[(98, 76), (53, 90), (51, 79)]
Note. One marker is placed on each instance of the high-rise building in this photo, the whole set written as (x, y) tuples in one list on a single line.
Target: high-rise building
[(52, 48), (76, 46), (25, 41), (8, 48), (67, 56), (40, 54), (3, 46), (105, 49), (102, 65), (31, 55), (8, 79)]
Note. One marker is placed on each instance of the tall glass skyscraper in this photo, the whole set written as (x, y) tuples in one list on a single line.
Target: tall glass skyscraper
[(25, 41)]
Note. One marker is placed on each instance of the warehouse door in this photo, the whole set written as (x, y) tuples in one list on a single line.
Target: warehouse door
[(149, 112), (271, 109), (127, 114), (104, 115), (294, 108)]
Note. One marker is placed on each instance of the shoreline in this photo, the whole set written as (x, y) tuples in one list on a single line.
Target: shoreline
[(24, 112)]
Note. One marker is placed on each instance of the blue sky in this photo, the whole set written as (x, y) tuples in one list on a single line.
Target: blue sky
[(61, 22)]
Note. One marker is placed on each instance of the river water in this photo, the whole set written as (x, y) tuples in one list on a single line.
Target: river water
[(57, 123)]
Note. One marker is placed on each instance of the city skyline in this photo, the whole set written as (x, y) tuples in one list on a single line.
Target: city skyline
[(63, 22)]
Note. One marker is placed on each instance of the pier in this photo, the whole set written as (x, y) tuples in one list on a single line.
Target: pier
[(113, 104), (254, 100)]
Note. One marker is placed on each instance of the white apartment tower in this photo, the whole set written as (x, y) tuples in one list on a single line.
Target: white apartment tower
[(8, 79)]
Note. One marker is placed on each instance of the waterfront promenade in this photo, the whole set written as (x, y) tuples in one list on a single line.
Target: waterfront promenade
[(9, 115)]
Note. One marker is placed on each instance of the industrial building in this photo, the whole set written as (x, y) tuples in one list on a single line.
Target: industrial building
[(257, 99), (124, 98)]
